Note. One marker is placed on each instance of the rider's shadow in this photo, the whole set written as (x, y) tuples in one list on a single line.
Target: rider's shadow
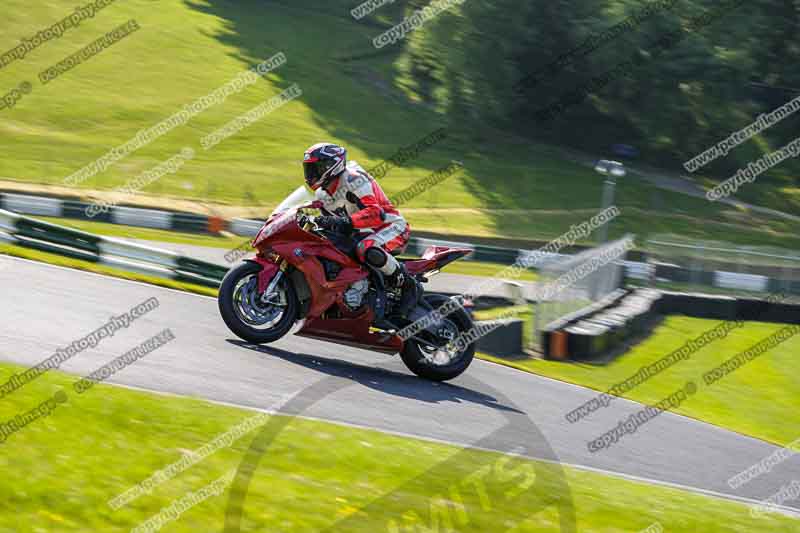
[(382, 379)]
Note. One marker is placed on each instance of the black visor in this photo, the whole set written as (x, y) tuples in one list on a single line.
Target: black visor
[(312, 172)]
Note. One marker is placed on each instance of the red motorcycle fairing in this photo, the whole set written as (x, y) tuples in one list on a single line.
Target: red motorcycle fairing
[(324, 293), (300, 249), (282, 236), (352, 332), (268, 271), (434, 258), (290, 243)]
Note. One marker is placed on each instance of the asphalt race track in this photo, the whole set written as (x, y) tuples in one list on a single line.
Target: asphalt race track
[(45, 307)]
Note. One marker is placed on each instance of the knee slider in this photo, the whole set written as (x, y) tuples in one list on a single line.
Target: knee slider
[(376, 257)]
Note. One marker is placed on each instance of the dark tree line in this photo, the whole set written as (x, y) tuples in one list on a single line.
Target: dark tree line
[(701, 69)]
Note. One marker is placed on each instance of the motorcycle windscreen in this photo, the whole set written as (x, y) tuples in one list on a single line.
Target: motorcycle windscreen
[(300, 196)]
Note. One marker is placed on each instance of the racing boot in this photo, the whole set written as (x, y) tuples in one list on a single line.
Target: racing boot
[(410, 289)]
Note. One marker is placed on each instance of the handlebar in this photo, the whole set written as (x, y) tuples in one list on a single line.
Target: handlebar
[(308, 222)]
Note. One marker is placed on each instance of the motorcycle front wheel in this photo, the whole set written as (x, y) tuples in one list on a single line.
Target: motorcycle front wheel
[(250, 316)]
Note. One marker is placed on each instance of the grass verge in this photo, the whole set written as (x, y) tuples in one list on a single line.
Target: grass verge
[(760, 399), (61, 470)]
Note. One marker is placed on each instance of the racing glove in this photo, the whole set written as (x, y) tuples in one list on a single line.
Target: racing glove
[(335, 223)]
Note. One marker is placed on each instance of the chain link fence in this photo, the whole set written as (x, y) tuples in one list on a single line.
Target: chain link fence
[(603, 278), (690, 265)]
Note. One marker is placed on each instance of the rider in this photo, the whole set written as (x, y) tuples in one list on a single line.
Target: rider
[(353, 200)]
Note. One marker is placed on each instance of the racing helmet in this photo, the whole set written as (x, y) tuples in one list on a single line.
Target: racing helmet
[(322, 163)]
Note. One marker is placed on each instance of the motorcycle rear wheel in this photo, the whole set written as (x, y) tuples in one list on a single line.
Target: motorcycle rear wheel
[(246, 315), (425, 362)]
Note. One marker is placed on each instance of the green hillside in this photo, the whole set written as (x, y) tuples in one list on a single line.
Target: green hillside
[(510, 186)]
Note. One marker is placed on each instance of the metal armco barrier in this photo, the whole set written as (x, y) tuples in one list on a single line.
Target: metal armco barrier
[(57, 239), (244, 227), (170, 220), (130, 216)]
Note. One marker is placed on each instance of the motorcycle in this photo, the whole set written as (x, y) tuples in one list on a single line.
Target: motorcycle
[(308, 276)]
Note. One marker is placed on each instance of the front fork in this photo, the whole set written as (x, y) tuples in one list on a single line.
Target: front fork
[(282, 265), (269, 292)]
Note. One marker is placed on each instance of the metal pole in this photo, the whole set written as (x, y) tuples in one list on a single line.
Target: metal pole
[(785, 282), (697, 267), (609, 186), (535, 337)]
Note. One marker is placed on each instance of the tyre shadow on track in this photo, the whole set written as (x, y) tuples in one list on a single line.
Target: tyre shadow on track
[(382, 379)]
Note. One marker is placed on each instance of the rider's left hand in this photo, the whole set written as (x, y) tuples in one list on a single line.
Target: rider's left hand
[(335, 223)]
